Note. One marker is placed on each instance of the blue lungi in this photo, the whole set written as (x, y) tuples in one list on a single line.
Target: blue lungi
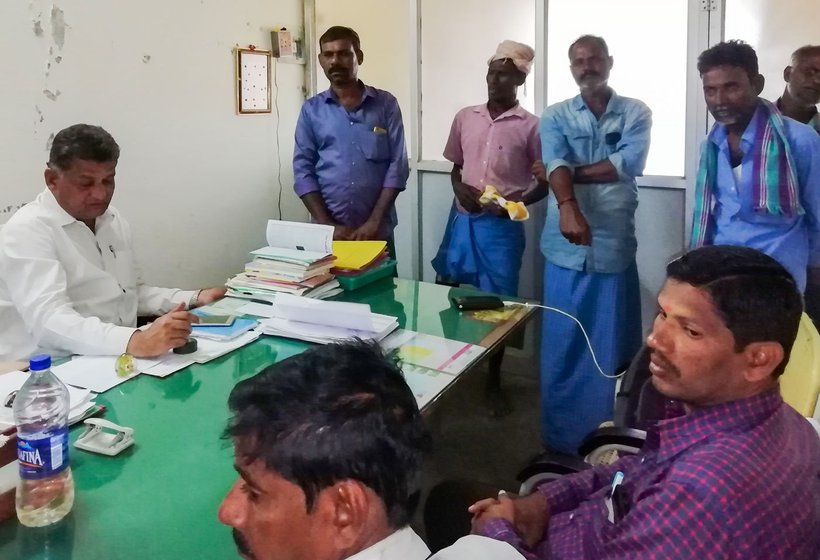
[(575, 397), (483, 250)]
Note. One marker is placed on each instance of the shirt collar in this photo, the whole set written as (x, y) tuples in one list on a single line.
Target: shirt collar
[(516, 112), (615, 104), (55, 212), (397, 545), (676, 435), (329, 96)]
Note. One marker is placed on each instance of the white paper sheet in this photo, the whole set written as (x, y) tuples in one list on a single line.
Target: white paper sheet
[(96, 373), (352, 316), (426, 383), (300, 236), (258, 310), (435, 352)]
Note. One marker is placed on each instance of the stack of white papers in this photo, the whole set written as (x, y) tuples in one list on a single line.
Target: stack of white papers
[(98, 373), (325, 321), (80, 400)]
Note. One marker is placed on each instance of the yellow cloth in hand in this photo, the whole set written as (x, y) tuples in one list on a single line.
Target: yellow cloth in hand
[(516, 210)]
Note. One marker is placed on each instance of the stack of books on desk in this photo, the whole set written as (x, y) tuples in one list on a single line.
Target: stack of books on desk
[(297, 261), (325, 321)]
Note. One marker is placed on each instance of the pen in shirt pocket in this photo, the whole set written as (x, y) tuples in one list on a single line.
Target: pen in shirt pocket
[(379, 130)]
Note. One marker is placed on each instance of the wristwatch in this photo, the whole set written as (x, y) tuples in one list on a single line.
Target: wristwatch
[(194, 299)]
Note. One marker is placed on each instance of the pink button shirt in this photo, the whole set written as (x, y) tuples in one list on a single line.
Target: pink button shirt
[(496, 152)]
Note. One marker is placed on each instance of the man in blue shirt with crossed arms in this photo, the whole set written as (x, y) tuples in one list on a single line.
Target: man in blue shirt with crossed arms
[(594, 145), (350, 160)]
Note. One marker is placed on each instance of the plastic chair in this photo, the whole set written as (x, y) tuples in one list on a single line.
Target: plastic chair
[(800, 383)]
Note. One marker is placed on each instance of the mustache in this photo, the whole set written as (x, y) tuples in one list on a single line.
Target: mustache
[(336, 69), (241, 544), (662, 361), (589, 74)]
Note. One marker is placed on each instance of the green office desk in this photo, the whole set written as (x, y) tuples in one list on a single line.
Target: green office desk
[(159, 499)]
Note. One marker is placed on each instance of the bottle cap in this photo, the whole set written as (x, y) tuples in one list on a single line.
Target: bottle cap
[(39, 362)]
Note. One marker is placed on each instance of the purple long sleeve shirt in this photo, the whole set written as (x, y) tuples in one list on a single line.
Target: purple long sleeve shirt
[(740, 480), (349, 155)]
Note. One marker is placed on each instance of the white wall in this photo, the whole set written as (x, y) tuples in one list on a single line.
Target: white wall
[(775, 28), (196, 181)]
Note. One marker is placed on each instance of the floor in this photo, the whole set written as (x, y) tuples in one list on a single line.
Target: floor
[(469, 444)]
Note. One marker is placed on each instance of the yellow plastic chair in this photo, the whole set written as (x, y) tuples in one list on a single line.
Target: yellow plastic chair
[(800, 383)]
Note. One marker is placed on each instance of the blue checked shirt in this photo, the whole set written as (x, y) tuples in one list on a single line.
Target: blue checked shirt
[(571, 136), (350, 155), (739, 480)]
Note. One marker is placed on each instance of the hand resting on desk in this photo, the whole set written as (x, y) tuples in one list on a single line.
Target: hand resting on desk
[(166, 333)]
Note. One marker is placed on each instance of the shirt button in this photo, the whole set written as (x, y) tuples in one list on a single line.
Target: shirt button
[(351, 123), (571, 516)]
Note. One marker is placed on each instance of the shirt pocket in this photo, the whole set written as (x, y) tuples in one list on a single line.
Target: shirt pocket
[(124, 269), (375, 145)]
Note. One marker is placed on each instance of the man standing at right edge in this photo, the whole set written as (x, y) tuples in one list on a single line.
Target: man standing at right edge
[(594, 145)]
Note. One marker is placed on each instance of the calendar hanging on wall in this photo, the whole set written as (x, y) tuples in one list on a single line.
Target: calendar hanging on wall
[(253, 86)]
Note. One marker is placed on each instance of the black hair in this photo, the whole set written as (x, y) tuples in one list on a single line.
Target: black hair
[(730, 53), (754, 294), (333, 413), (339, 32), (805, 50), (589, 39), (82, 141)]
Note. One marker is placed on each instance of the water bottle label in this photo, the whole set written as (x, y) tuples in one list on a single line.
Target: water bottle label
[(43, 457)]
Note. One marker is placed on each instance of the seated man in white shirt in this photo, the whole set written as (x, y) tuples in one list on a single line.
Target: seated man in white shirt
[(329, 447), (68, 279)]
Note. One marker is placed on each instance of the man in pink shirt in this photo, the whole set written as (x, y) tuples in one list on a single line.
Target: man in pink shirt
[(496, 144)]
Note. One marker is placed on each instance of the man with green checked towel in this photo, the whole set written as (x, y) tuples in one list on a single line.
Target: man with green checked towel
[(758, 181)]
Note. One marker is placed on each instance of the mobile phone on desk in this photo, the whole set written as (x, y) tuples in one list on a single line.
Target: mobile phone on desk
[(215, 320), (472, 303)]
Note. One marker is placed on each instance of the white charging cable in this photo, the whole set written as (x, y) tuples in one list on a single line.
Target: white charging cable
[(583, 330)]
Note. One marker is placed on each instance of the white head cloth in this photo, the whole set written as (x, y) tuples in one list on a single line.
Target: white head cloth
[(519, 53)]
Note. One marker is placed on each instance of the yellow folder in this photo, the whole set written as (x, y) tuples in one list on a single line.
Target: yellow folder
[(356, 255)]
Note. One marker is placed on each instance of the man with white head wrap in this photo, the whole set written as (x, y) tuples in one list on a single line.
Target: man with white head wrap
[(495, 143)]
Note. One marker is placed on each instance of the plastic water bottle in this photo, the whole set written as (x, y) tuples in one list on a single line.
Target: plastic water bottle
[(45, 493)]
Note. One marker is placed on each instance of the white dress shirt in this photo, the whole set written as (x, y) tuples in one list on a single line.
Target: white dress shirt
[(65, 289), (404, 544), (475, 547)]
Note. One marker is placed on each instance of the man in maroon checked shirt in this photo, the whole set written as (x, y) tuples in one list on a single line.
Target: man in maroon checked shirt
[(734, 472)]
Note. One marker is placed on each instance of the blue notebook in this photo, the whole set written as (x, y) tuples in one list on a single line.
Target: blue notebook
[(240, 326)]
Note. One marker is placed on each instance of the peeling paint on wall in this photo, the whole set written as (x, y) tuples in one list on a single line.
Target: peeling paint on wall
[(38, 28), (146, 59), (58, 26), (51, 95)]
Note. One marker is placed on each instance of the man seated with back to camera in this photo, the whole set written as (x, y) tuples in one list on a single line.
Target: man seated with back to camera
[(329, 447), (69, 282), (732, 472)]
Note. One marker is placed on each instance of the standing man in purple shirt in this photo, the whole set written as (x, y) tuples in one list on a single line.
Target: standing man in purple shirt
[(732, 472), (350, 160)]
